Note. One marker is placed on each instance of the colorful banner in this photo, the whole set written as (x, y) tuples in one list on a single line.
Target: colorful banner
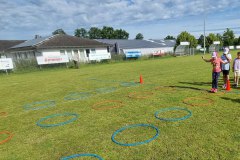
[(133, 54), (52, 59)]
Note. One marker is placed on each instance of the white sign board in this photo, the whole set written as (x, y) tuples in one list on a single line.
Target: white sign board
[(231, 47), (52, 59), (216, 42), (6, 63), (237, 47), (184, 43), (99, 56)]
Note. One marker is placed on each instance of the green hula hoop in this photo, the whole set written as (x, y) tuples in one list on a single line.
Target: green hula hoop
[(171, 109), (129, 84), (82, 155), (44, 104), (106, 90), (57, 115), (133, 126), (77, 96)]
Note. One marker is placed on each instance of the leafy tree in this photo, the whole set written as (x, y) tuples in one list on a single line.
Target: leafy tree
[(210, 38), (121, 34), (107, 32), (228, 37), (58, 31), (201, 41), (169, 38), (237, 41), (81, 33), (95, 33), (139, 36), (185, 36)]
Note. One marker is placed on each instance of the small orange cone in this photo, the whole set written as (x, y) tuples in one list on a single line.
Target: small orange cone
[(228, 88), (141, 79)]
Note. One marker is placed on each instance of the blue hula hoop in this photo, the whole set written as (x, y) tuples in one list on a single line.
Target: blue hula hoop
[(129, 84), (133, 126), (77, 96), (106, 90), (57, 124), (171, 109), (82, 155), (45, 104)]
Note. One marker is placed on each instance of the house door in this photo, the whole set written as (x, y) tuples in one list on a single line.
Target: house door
[(75, 55), (82, 55)]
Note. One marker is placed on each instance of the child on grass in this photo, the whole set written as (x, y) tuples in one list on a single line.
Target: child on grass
[(236, 69), (226, 67), (216, 62)]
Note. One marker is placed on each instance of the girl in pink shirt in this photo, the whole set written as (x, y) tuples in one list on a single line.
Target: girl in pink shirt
[(216, 63)]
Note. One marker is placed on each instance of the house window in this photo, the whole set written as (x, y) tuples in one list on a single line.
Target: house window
[(108, 49), (62, 52), (81, 50), (25, 55), (87, 52), (69, 53), (93, 50)]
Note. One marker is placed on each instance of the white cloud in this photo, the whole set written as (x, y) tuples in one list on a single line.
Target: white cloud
[(48, 15)]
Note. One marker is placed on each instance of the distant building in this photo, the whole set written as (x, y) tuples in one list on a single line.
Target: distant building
[(6, 44), (146, 47), (58, 45)]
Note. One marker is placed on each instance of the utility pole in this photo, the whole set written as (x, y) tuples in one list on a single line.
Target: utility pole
[(204, 39)]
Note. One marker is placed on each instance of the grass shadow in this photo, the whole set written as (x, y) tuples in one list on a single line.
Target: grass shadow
[(231, 99), (197, 83), (186, 87)]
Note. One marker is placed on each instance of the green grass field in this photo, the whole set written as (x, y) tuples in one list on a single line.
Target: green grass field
[(212, 132)]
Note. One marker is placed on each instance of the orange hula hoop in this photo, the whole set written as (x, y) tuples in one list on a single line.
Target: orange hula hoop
[(95, 106), (137, 96), (8, 138)]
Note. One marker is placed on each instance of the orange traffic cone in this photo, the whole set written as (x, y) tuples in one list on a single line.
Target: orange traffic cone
[(228, 88), (141, 79)]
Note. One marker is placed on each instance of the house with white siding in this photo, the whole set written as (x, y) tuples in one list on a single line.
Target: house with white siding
[(60, 45), (145, 47)]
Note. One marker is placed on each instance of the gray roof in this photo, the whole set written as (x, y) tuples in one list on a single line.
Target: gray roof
[(59, 40), (6, 44), (170, 43), (32, 42), (130, 44)]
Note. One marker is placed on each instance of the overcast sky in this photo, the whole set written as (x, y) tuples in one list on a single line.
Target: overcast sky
[(22, 19)]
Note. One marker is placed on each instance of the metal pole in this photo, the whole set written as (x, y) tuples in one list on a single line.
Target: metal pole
[(204, 39)]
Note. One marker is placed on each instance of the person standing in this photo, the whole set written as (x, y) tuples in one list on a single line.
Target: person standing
[(76, 60), (236, 69), (226, 57), (216, 63)]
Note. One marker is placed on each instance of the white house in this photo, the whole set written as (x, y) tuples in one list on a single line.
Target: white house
[(145, 47), (60, 45)]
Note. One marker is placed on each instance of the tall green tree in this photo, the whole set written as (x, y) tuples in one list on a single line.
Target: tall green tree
[(228, 37), (201, 41), (58, 31), (81, 32), (95, 33), (210, 39), (185, 36), (237, 41), (121, 34), (108, 32), (139, 36), (169, 38)]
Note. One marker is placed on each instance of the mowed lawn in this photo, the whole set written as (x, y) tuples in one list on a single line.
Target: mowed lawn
[(211, 132)]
